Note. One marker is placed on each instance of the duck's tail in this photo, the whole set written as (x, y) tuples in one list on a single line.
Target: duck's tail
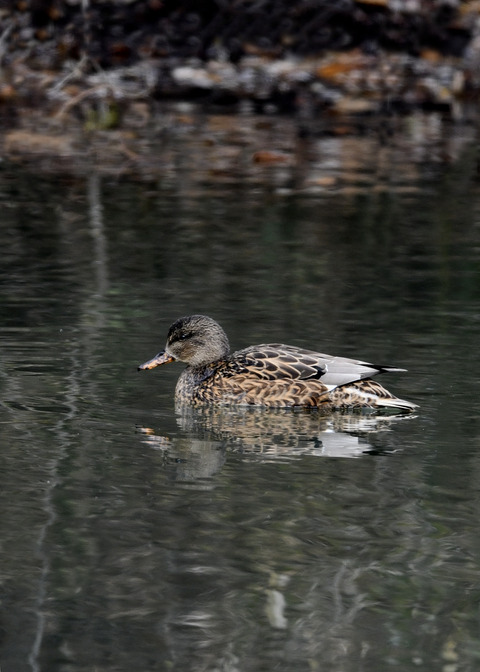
[(396, 403), (368, 393)]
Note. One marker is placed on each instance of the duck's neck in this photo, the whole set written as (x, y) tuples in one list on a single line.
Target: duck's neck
[(201, 372), (191, 378)]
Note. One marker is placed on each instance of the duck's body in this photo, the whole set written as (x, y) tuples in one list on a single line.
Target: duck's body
[(272, 375)]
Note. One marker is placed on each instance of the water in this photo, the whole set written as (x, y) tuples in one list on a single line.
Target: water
[(139, 536)]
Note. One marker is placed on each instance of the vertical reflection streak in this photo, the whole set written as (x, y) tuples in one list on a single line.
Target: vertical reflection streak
[(41, 546)]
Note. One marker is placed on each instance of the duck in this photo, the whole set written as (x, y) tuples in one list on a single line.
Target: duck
[(268, 375)]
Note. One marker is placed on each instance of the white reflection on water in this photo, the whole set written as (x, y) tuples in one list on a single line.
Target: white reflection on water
[(271, 435)]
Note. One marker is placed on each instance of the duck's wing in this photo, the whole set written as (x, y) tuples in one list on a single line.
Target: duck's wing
[(275, 361), (280, 376)]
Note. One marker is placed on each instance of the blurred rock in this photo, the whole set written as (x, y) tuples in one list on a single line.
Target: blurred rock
[(355, 57)]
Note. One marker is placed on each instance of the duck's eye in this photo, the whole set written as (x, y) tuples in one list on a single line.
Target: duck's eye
[(176, 338)]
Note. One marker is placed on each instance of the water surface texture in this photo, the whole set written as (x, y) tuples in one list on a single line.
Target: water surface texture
[(137, 536)]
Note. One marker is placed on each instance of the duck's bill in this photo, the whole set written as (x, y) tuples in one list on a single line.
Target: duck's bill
[(158, 360)]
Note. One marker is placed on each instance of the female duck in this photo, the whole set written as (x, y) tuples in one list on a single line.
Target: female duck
[(268, 375)]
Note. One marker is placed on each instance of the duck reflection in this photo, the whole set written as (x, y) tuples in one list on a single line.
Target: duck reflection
[(209, 433)]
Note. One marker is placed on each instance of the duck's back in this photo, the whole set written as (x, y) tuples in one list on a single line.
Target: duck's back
[(284, 376)]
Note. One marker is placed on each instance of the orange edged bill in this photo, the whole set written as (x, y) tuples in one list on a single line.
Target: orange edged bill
[(162, 358)]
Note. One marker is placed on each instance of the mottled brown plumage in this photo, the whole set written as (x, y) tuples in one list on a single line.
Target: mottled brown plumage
[(273, 375)]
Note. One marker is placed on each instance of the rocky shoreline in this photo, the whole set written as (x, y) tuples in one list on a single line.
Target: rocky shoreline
[(99, 66)]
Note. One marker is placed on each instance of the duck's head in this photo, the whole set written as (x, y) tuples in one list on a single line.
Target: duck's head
[(196, 340)]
